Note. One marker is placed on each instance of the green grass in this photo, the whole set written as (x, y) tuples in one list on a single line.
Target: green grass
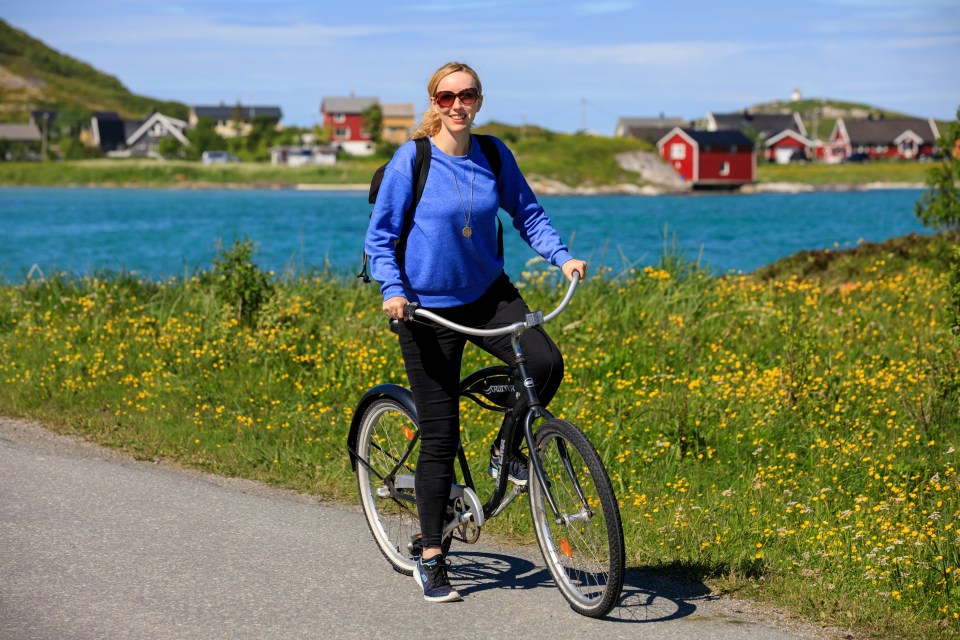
[(789, 436), (828, 174)]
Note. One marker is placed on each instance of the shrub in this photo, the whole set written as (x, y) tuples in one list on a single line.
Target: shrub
[(239, 283)]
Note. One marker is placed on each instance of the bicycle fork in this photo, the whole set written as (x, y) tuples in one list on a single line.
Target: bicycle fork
[(533, 411)]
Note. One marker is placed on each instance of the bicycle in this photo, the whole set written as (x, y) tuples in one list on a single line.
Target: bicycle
[(574, 510)]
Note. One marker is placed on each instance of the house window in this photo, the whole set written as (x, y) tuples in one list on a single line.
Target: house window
[(724, 168), (678, 151), (339, 117), (341, 132)]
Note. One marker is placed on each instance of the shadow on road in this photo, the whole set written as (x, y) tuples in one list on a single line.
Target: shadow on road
[(646, 597)]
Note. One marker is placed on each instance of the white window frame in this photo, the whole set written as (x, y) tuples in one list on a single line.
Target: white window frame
[(342, 133), (725, 168), (678, 151)]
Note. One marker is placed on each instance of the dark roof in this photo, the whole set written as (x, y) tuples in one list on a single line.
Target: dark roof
[(110, 129), (765, 124), (724, 137), (886, 130), (224, 112)]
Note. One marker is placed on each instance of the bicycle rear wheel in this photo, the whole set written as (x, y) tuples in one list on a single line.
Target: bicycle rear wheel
[(388, 443), (582, 546)]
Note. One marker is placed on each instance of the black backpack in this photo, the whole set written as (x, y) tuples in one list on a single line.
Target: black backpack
[(421, 167)]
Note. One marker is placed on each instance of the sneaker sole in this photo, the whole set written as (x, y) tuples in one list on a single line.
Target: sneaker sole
[(453, 596)]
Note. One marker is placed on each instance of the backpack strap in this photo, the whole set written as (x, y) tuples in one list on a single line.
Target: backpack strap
[(421, 166), (492, 153)]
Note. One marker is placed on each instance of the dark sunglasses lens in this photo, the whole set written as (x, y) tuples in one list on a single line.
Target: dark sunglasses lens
[(446, 98), (468, 96)]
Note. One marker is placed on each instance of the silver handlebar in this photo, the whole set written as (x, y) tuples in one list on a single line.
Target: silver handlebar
[(533, 319)]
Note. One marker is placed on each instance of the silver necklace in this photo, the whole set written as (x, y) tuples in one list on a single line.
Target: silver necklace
[(467, 231)]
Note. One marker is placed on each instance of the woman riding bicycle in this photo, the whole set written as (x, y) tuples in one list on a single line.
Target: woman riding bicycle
[(451, 265)]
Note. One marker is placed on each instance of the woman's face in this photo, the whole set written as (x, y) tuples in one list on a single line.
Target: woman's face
[(458, 116)]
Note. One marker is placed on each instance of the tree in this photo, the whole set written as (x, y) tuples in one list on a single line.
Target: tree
[(203, 137), (71, 119), (169, 147), (939, 206), (373, 121)]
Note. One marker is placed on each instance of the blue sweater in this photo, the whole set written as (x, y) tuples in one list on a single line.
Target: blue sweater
[(442, 268)]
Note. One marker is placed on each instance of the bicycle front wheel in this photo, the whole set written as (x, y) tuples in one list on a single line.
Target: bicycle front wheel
[(387, 449), (582, 545)]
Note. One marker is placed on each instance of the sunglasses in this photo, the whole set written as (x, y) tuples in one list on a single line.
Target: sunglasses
[(467, 97)]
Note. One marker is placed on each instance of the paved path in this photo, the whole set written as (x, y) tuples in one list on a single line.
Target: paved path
[(96, 545)]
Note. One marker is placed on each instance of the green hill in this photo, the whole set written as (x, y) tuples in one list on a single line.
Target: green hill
[(34, 76)]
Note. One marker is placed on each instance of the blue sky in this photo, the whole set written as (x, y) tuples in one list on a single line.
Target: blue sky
[(559, 64)]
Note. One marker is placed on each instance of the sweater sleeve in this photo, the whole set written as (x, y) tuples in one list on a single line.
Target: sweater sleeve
[(386, 222), (529, 218)]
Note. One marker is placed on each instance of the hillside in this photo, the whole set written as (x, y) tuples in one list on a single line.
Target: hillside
[(33, 76)]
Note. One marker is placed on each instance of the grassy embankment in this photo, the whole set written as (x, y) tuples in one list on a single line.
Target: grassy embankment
[(790, 436), (575, 160)]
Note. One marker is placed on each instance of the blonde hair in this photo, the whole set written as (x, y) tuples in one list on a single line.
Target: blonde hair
[(430, 124)]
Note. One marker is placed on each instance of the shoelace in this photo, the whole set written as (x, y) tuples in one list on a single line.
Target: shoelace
[(437, 573)]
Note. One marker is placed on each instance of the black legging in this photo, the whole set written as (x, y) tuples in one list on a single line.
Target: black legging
[(432, 355)]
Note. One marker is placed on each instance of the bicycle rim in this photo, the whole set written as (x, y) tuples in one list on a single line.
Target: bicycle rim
[(386, 433), (583, 547)]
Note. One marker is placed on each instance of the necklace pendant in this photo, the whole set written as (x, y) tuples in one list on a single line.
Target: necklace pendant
[(467, 231)]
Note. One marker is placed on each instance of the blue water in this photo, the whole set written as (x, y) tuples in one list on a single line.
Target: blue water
[(163, 233)]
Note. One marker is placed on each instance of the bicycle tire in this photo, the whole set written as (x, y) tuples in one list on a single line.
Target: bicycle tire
[(386, 432), (585, 554)]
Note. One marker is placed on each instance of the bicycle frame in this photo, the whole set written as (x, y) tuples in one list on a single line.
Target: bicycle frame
[(524, 413), (533, 409)]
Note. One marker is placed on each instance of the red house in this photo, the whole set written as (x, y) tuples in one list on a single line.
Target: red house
[(788, 146), (344, 119), (710, 158), (886, 138)]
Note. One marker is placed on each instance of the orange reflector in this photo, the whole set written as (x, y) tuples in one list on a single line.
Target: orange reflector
[(408, 433), (565, 547)]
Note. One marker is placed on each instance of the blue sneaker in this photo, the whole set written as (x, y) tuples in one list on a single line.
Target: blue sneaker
[(517, 471), (431, 575)]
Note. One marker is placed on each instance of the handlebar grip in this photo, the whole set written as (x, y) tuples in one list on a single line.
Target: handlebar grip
[(410, 311)]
